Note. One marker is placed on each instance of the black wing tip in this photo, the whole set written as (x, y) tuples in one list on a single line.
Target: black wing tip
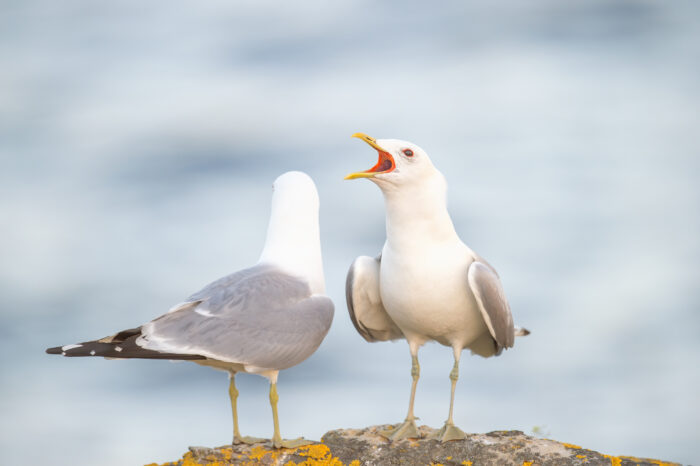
[(122, 350), (121, 345), (521, 332)]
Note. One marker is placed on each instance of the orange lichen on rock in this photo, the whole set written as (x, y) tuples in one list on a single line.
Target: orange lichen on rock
[(617, 460), (227, 452), (648, 460), (571, 445), (354, 447), (258, 453), (189, 460), (317, 454)]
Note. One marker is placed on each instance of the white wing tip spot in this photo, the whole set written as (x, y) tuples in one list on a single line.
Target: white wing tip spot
[(92, 353), (118, 349), (70, 347)]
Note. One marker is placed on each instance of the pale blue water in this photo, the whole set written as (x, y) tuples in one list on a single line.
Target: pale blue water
[(138, 143)]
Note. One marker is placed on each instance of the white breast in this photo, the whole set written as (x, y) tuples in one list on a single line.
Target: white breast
[(426, 293)]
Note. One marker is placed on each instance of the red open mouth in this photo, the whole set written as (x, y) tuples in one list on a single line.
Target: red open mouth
[(385, 163)]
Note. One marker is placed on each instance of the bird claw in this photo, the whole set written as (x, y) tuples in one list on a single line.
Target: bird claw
[(449, 432), (407, 429)]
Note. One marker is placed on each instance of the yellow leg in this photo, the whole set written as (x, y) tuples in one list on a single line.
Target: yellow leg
[(408, 428), (277, 441), (450, 431), (454, 376), (415, 375), (233, 395)]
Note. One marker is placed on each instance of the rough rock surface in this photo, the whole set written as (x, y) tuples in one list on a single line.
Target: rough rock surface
[(356, 447)]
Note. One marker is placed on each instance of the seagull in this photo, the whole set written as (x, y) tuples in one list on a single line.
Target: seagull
[(426, 285), (259, 320)]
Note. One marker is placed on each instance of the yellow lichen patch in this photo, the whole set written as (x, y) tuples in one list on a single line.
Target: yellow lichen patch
[(318, 454), (527, 463), (448, 458), (571, 445), (258, 453), (188, 460), (466, 463), (648, 460), (211, 460), (614, 460), (227, 452), (355, 463)]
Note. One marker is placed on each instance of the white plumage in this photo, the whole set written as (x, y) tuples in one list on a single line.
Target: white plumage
[(259, 320), (426, 284)]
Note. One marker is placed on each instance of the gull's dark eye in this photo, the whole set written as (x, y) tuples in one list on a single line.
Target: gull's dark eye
[(408, 152)]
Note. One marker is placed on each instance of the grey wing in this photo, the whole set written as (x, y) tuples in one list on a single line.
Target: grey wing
[(365, 303), (491, 299), (260, 317)]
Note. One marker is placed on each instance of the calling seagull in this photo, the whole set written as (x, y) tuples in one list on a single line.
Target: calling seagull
[(426, 284)]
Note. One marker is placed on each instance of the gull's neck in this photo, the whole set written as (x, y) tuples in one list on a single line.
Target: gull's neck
[(417, 213), (293, 244)]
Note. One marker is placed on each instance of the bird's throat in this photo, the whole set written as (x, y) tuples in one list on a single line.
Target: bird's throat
[(421, 217)]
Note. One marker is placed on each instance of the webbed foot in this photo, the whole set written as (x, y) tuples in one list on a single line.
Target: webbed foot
[(407, 429), (449, 432)]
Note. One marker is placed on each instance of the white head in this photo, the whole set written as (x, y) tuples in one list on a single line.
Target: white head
[(294, 193), (401, 163), (414, 190), (293, 238)]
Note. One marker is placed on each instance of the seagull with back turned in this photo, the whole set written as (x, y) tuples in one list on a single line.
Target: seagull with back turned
[(426, 284), (258, 320)]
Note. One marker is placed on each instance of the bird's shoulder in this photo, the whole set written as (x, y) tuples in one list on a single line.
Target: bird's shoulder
[(475, 257)]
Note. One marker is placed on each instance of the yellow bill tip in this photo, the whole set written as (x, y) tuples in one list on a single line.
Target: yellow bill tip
[(354, 176)]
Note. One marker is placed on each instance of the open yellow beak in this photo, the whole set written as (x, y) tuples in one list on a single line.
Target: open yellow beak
[(385, 164)]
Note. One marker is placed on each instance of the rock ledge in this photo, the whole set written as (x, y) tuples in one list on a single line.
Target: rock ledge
[(357, 447)]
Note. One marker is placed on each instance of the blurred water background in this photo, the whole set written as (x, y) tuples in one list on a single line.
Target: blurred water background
[(139, 141)]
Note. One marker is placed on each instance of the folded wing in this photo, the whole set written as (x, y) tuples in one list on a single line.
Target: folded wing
[(365, 303), (491, 299), (259, 316)]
